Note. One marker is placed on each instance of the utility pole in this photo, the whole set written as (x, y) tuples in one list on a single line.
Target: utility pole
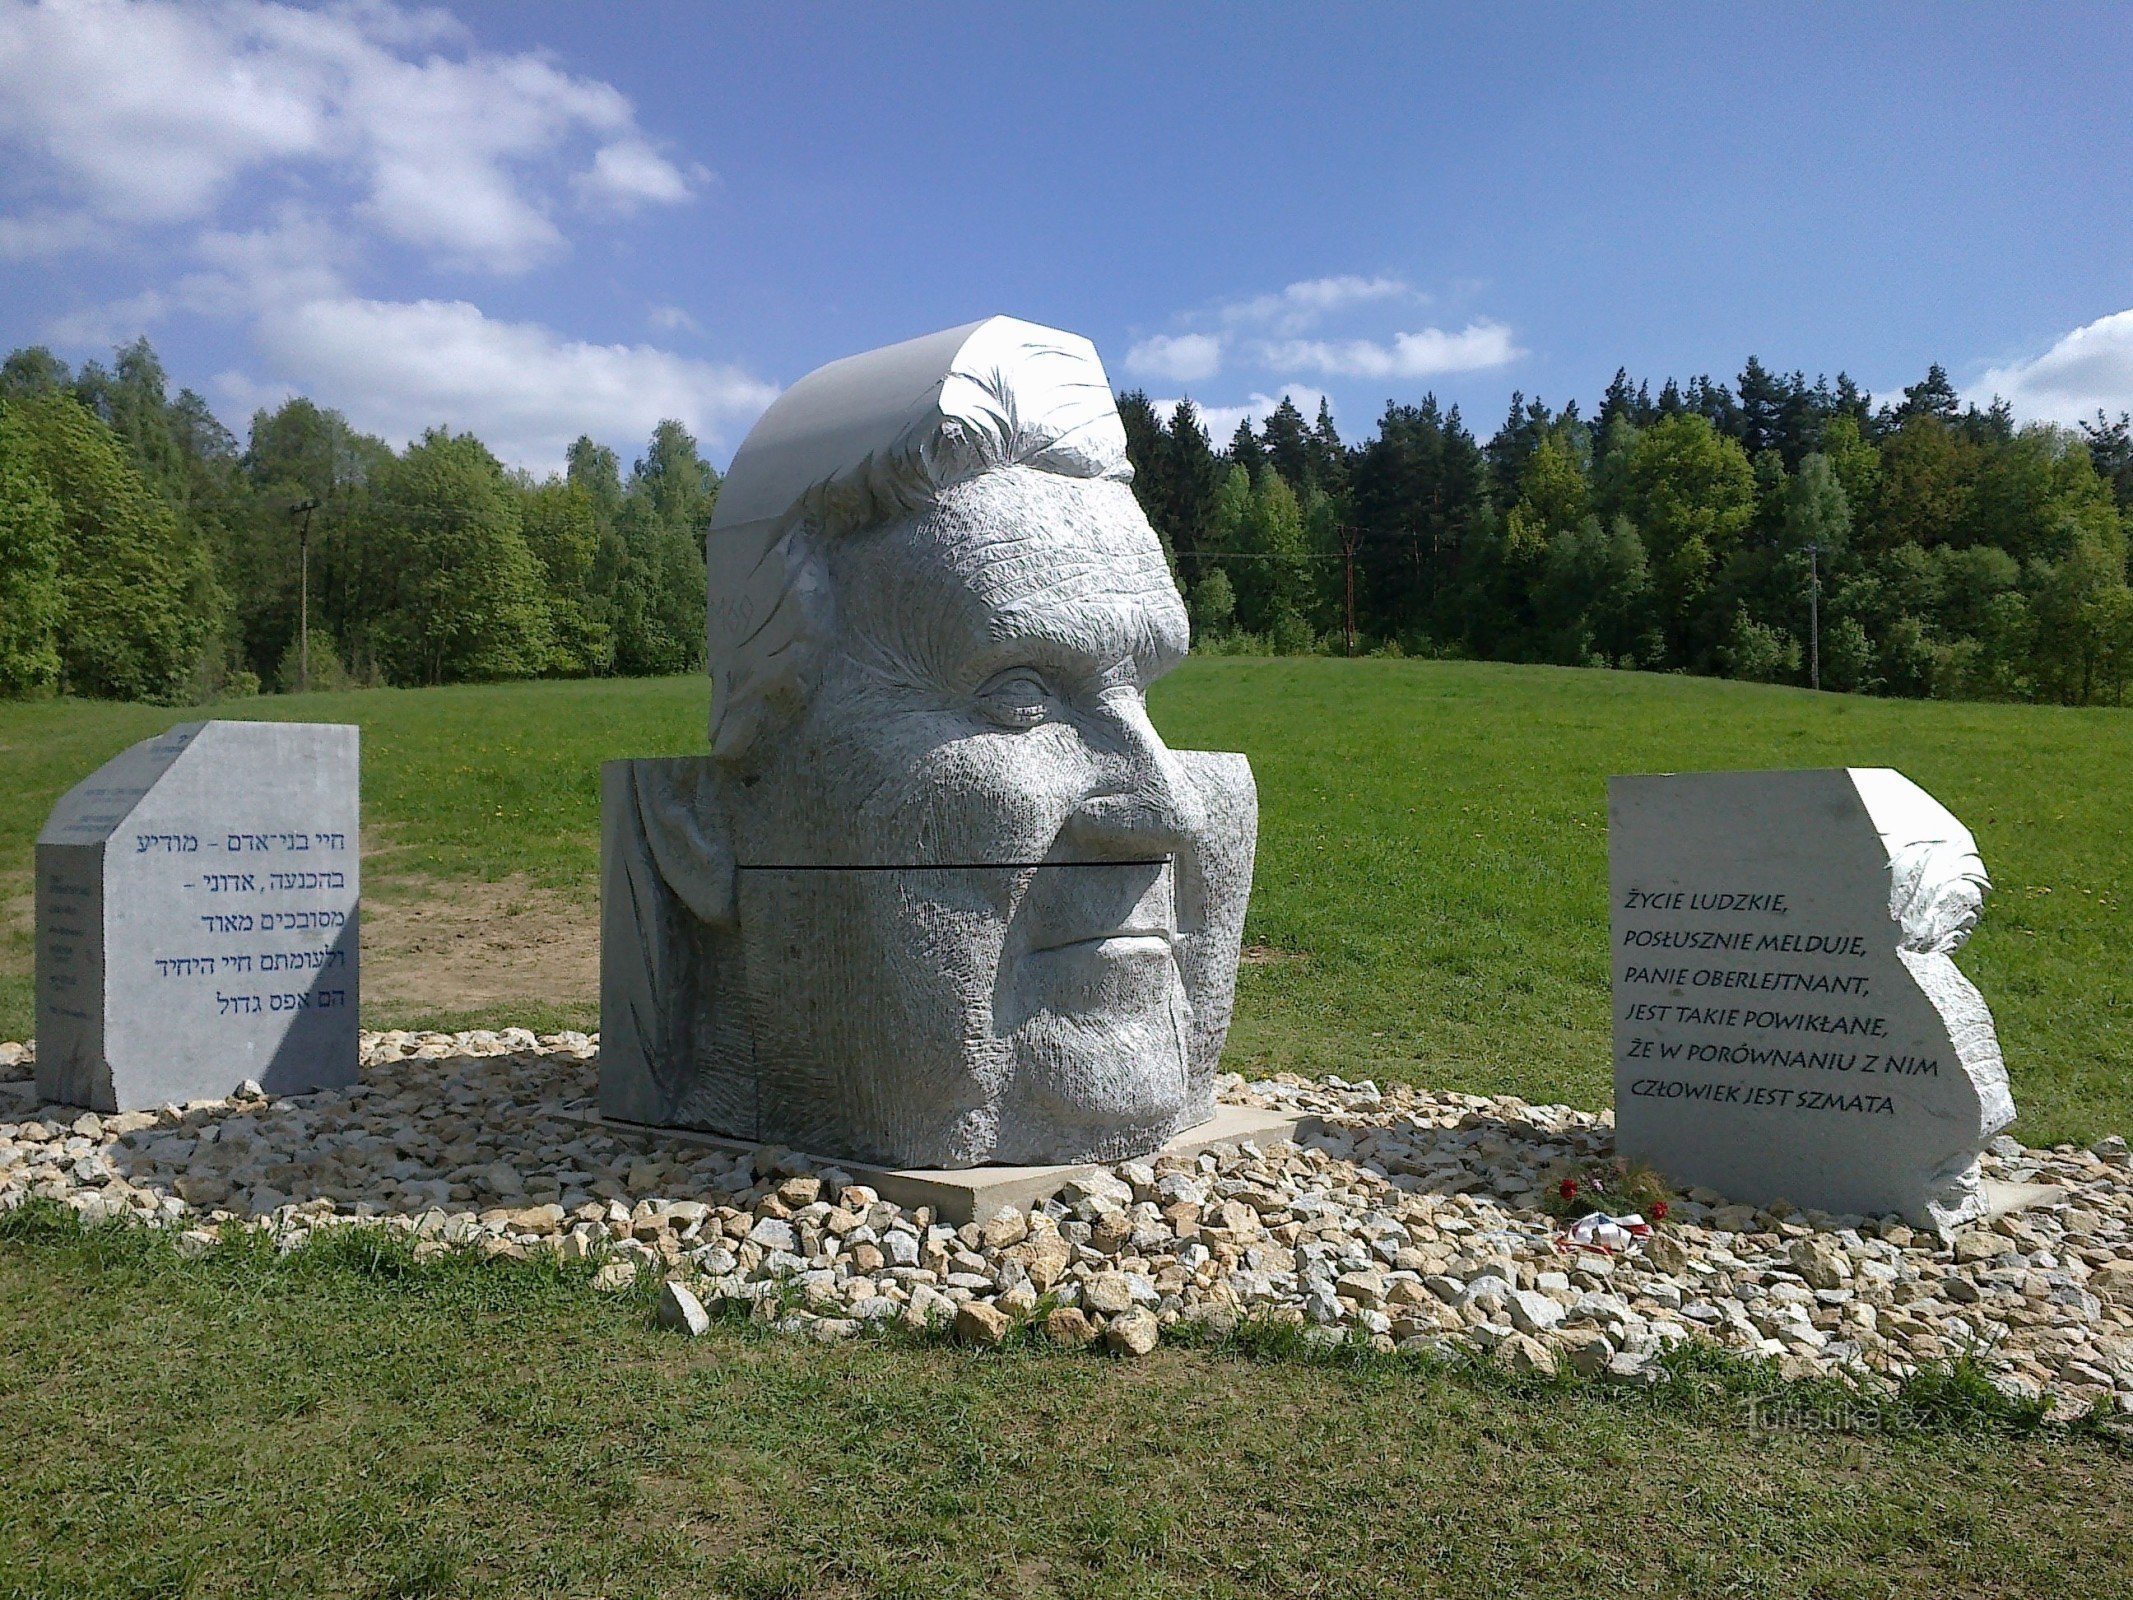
[(303, 567), (1814, 615), (1350, 538)]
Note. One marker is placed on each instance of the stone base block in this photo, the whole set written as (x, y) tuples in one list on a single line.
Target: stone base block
[(975, 1194)]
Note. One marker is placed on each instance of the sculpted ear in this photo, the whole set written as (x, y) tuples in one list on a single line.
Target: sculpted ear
[(685, 829), (666, 872)]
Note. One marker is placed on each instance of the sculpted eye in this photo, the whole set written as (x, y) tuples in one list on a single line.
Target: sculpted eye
[(1017, 698)]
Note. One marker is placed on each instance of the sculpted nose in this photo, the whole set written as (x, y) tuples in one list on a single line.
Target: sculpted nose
[(1144, 803)]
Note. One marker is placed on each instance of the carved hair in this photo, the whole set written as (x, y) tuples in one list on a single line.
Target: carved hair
[(866, 441), (1937, 890)]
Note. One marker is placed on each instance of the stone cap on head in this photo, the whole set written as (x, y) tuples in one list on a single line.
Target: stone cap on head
[(880, 434)]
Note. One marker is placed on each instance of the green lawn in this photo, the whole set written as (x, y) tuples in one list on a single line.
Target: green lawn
[(1432, 864), (1432, 851), (242, 1426)]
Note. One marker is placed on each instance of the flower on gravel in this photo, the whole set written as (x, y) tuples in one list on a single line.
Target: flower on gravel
[(1568, 1188), (1658, 1211)]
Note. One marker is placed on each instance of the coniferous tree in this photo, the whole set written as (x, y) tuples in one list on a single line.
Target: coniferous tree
[(1191, 478), (1288, 444), (1803, 412), (1145, 446), (1620, 401), (1762, 405), (1854, 402), (1714, 402), (1328, 456), (1960, 553), (1932, 396), (1419, 498), (2111, 453)]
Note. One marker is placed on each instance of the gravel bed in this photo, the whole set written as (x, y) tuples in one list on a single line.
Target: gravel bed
[(1411, 1218)]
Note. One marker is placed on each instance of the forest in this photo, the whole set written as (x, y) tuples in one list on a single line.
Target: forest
[(1770, 529), (1774, 530), (146, 555)]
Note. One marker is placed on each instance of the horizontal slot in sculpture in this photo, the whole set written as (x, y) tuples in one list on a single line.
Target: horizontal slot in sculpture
[(940, 895)]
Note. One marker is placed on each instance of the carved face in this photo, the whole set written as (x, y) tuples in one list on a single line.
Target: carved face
[(999, 963)]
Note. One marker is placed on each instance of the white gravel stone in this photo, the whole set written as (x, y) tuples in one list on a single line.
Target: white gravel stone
[(1413, 1217), (1533, 1312), (773, 1234), (679, 1308)]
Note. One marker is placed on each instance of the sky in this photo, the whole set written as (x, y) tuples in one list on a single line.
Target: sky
[(539, 220)]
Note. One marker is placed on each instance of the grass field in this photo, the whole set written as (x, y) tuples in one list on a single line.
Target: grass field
[(1432, 866), (328, 1424), (1432, 863)]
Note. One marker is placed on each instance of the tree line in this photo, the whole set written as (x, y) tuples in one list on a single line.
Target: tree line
[(146, 555), (1773, 529)]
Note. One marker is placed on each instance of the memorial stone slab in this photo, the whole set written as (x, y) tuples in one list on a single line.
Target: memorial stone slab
[(197, 918), (1788, 1023)]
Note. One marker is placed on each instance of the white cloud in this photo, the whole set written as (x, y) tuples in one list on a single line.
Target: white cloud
[(2089, 370), (630, 174), (1410, 355), (328, 131), (1281, 333), (41, 233), (277, 265), (1296, 309), (151, 113), (672, 319), (1221, 421), (289, 260), (1304, 305), (398, 367), (111, 324), (150, 110), (1182, 358)]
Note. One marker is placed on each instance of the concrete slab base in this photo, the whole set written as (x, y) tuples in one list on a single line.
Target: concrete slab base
[(976, 1194)]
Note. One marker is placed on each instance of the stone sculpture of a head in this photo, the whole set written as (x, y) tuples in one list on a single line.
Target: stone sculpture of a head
[(940, 895)]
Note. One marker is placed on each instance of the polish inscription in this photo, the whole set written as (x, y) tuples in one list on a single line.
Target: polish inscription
[(1694, 1030), (1787, 1021)]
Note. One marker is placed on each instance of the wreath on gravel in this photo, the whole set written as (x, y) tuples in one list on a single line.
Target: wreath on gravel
[(1607, 1206)]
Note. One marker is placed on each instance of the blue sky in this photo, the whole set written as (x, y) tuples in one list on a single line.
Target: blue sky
[(540, 219)]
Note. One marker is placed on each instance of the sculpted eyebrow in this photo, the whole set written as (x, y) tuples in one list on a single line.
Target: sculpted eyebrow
[(1103, 639)]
